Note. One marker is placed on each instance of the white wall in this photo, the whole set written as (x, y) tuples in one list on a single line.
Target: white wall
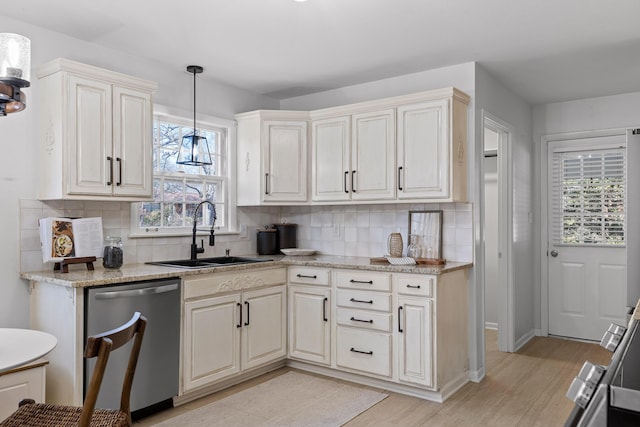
[(18, 176), (460, 76), (496, 99), (608, 112)]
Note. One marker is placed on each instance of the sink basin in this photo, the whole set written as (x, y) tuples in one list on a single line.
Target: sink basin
[(208, 262)]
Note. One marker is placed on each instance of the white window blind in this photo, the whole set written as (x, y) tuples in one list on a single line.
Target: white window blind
[(589, 197)]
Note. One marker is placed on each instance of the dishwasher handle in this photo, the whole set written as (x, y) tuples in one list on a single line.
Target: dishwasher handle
[(153, 290)]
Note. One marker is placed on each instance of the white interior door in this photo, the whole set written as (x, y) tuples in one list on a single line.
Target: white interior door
[(586, 242)]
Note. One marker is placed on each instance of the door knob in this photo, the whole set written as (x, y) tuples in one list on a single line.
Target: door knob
[(554, 253)]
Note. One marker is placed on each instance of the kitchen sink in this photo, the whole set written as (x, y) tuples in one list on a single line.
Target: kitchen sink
[(208, 262)]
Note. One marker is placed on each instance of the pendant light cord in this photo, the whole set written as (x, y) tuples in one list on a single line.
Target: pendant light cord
[(194, 104)]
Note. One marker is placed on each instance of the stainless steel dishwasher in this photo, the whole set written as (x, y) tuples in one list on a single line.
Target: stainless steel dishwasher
[(156, 379)]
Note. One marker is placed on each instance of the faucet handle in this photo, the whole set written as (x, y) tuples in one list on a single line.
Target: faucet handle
[(227, 251)]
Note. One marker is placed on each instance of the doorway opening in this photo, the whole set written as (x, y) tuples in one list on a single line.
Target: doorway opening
[(497, 218)]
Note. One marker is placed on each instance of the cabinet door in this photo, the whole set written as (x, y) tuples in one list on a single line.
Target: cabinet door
[(132, 145), (90, 134), (415, 341), (423, 150), (373, 155), (264, 336), (285, 161), (211, 340), (330, 170), (310, 328)]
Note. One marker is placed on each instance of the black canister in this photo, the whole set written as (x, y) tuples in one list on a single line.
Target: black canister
[(267, 241), (287, 235), (112, 256)]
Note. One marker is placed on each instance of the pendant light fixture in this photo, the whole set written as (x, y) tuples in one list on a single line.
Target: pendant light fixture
[(194, 150), (15, 70)]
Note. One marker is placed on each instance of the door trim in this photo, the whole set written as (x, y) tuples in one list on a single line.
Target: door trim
[(544, 206), (506, 294)]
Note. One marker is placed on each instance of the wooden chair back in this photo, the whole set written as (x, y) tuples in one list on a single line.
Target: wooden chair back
[(100, 346)]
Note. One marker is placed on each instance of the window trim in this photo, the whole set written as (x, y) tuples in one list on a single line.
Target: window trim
[(180, 116)]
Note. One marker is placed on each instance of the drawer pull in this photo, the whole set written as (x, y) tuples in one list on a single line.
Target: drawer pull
[(324, 309), (306, 277), (361, 301), (367, 282), (413, 286), (370, 353), (360, 320)]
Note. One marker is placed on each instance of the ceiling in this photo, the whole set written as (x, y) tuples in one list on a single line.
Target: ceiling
[(544, 50)]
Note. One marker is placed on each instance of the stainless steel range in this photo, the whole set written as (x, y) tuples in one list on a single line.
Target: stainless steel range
[(610, 395)]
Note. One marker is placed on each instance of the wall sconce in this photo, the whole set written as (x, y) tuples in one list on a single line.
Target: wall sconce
[(194, 150), (15, 72)]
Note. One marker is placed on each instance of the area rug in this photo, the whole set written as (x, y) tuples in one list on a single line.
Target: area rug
[(291, 399)]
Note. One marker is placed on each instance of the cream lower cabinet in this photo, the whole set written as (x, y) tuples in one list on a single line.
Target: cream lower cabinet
[(234, 332), (364, 340), (415, 349), (24, 382), (432, 330), (310, 315)]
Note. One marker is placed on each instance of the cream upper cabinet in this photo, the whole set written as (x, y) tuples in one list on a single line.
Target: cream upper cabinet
[(331, 159), (372, 155), (431, 149), (353, 157), (272, 157), (423, 150), (410, 148), (95, 133)]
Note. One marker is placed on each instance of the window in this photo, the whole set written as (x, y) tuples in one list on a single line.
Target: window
[(177, 189), (589, 197)]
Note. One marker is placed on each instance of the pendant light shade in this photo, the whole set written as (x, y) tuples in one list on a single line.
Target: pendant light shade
[(15, 71), (194, 150)]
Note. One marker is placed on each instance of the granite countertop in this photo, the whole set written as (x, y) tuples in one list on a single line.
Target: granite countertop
[(78, 277)]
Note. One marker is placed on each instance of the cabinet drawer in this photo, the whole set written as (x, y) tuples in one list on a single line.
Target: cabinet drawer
[(309, 276), (415, 284), (362, 299), (365, 351), (363, 280), (364, 319)]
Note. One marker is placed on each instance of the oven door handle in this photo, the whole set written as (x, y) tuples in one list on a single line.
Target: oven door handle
[(154, 290)]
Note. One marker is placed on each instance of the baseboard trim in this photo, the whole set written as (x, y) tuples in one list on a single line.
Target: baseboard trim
[(524, 339), (478, 375)]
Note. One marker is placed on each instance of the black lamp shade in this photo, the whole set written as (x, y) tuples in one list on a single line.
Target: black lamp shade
[(194, 151)]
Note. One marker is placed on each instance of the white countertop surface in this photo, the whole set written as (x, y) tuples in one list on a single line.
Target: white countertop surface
[(21, 346)]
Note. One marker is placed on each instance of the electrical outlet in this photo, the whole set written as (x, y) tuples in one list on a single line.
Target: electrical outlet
[(243, 231), (336, 230)]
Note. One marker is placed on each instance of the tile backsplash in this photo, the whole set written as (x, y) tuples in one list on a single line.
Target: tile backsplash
[(349, 230)]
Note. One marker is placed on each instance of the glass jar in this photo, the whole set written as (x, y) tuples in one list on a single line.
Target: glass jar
[(414, 250), (113, 254)]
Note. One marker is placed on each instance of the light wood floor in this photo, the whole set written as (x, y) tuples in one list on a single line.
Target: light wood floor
[(520, 389)]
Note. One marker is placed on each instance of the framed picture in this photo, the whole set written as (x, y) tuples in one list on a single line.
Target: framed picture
[(425, 234)]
